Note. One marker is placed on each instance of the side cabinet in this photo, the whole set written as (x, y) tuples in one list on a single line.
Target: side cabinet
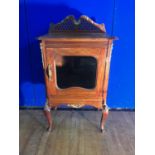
[(76, 65)]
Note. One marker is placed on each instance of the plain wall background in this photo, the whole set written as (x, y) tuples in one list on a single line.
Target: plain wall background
[(119, 19)]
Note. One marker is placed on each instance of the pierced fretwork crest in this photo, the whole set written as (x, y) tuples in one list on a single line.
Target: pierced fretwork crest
[(83, 24)]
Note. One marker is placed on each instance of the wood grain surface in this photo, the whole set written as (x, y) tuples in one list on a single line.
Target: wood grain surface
[(77, 133)]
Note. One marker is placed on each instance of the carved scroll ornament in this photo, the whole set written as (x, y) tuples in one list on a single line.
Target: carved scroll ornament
[(83, 24)]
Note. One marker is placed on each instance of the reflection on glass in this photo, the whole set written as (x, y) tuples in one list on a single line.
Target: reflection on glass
[(76, 71)]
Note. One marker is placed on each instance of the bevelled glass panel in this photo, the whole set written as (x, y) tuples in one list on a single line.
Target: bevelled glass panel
[(76, 71)]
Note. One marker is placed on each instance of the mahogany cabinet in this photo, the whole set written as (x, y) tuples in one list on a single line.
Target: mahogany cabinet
[(76, 61)]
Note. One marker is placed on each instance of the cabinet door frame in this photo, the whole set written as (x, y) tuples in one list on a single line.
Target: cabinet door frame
[(98, 53)]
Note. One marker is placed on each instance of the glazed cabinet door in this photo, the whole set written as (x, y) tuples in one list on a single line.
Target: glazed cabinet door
[(75, 70)]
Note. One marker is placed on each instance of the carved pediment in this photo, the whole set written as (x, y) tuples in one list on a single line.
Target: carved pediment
[(84, 24)]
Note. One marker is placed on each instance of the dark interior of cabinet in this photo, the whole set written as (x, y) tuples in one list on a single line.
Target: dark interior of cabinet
[(76, 71)]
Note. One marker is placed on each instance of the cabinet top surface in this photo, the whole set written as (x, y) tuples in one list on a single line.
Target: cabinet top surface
[(76, 36)]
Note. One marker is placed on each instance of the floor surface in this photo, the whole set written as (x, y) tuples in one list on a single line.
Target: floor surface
[(77, 133)]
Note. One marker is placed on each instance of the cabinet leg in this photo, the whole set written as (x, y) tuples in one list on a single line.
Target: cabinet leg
[(47, 113), (104, 117)]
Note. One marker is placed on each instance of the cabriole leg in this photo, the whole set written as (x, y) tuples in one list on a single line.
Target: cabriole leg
[(105, 112), (47, 112)]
